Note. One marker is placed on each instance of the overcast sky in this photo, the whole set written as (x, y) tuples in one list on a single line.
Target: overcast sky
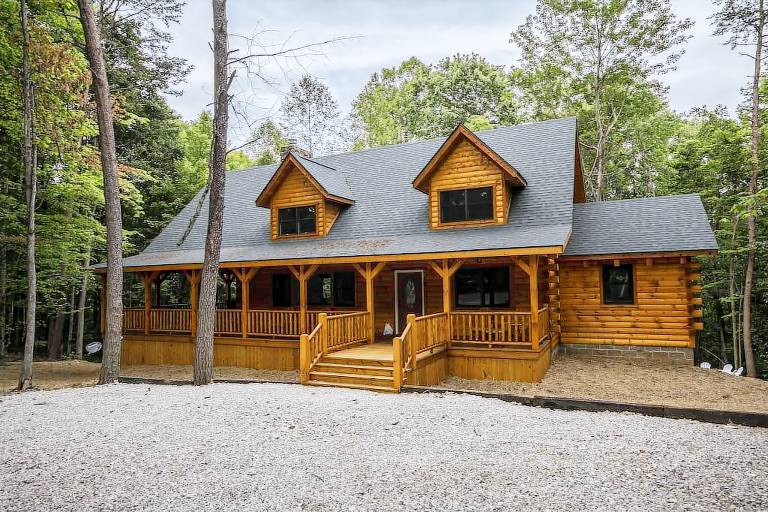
[(388, 32)]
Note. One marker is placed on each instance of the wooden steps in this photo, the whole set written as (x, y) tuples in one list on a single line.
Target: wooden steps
[(353, 370)]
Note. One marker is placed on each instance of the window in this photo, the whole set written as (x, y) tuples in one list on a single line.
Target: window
[(618, 284), (296, 221), (482, 287), (281, 290), (467, 204), (337, 289)]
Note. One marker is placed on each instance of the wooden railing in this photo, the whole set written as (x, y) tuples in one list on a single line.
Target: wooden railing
[(228, 322), (429, 332), (492, 327), (133, 319), (311, 348), (403, 355), (170, 320), (346, 329), (274, 323), (544, 325)]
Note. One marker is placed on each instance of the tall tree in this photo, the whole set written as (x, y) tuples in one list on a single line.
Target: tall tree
[(110, 365), (743, 21), (311, 115), (203, 368), (30, 189), (590, 58)]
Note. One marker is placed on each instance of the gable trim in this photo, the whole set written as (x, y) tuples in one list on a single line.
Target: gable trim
[(461, 132), (285, 166)]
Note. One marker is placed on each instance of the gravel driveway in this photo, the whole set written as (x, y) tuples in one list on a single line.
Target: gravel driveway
[(289, 447)]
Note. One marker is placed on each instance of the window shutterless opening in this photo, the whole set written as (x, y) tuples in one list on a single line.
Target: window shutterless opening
[(482, 287), (299, 220), (618, 284), (466, 204), (333, 290)]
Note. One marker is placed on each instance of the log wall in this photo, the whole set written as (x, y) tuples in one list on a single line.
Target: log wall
[(664, 313)]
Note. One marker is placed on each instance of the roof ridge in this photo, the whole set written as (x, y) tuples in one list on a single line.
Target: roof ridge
[(644, 198)]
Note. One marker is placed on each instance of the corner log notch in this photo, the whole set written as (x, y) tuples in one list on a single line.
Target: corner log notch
[(369, 273)]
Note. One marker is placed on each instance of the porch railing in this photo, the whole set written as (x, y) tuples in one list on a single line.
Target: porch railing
[(346, 329), (228, 322), (133, 319), (544, 323), (311, 349), (274, 323), (170, 320), (492, 327)]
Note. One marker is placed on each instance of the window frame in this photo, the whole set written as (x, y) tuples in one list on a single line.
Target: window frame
[(292, 292), (633, 282), (485, 220), (483, 291), (297, 220)]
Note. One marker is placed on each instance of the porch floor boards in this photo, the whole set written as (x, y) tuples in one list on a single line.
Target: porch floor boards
[(379, 351)]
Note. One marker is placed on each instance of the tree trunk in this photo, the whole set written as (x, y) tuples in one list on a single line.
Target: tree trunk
[(110, 363), (203, 369), (721, 328), (70, 322), (3, 294), (30, 189), (749, 355), (56, 336), (81, 308)]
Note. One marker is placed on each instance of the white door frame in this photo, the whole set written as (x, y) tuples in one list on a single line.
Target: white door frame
[(397, 294)]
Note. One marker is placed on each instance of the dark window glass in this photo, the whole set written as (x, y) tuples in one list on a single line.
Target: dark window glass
[(319, 290), (296, 221), (337, 289), (618, 284), (344, 289), (482, 287), (468, 204), (281, 290)]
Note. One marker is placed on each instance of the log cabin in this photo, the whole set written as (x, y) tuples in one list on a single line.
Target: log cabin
[(474, 255)]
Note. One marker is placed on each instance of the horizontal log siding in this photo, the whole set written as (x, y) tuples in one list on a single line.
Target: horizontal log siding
[(660, 316), (467, 167), (296, 190)]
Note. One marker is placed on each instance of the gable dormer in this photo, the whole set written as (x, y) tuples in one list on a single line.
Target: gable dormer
[(468, 183), (304, 197)]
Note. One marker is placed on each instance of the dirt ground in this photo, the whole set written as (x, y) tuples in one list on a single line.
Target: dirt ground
[(50, 374), (635, 381), (185, 373)]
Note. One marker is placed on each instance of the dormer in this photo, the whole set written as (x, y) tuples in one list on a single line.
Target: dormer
[(305, 198), (468, 183)]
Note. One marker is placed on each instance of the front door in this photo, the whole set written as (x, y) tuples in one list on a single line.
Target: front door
[(410, 296)]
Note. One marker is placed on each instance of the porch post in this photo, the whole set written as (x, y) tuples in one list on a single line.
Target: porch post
[(147, 279), (533, 280), (245, 276), (369, 273), (446, 271), (303, 274), (193, 277), (103, 305)]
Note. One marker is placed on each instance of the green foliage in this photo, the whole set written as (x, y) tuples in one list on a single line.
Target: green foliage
[(416, 101)]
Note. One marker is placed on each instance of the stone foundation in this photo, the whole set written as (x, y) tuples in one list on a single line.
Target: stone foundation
[(671, 355)]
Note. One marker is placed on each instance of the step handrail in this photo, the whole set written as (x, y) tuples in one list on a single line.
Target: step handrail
[(311, 348)]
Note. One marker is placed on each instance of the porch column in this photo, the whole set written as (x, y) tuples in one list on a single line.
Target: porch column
[(303, 274), (103, 305), (146, 278), (446, 271), (193, 277), (244, 275), (369, 273), (533, 280)]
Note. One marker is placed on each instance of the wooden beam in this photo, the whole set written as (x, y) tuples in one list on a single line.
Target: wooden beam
[(533, 287), (437, 268), (523, 265)]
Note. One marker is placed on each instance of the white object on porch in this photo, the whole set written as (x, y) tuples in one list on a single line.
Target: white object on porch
[(388, 329)]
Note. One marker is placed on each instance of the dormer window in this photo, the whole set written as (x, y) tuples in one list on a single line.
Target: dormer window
[(299, 220), (470, 204)]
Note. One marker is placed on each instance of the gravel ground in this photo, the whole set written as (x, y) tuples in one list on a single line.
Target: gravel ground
[(635, 381), (286, 447)]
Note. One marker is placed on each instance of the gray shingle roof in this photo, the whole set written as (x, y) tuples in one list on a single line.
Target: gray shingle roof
[(652, 224), (333, 181), (390, 217)]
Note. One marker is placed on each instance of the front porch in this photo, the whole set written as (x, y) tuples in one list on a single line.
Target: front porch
[(383, 324)]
